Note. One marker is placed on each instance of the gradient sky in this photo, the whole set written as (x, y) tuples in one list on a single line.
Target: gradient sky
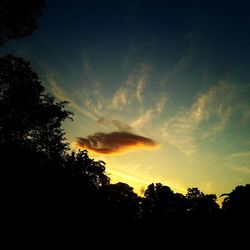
[(160, 89)]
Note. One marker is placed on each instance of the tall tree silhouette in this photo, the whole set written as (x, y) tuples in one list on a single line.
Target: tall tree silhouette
[(29, 117), (237, 203), (18, 18), (32, 141)]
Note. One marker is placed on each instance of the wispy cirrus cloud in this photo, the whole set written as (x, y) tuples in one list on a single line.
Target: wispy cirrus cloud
[(61, 95), (116, 123), (139, 89), (141, 82), (143, 119), (241, 169), (149, 114), (115, 142), (91, 77), (121, 98), (209, 114), (181, 64), (179, 131), (241, 162), (132, 90), (241, 155), (140, 123), (91, 103), (82, 99)]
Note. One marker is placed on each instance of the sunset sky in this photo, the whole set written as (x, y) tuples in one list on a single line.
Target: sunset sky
[(160, 90)]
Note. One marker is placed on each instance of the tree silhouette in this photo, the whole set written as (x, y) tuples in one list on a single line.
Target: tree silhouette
[(91, 172), (18, 18), (237, 203), (161, 202), (30, 117), (119, 203), (32, 141), (201, 204), (157, 198), (194, 193)]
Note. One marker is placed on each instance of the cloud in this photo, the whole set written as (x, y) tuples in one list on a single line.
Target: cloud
[(241, 155), (131, 91), (241, 169), (115, 142), (141, 82), (160, 104), (217, 101), (149, 114), (83, 91), (61, 95), (57, 91), (120, 99), (241, 162), (178, 131), (183, 62), (207, 116), (143, 119), (180, 65), (139, 88), (116, 123), (91, 77)]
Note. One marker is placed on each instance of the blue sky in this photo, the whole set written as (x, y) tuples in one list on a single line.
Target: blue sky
[(174, 72)]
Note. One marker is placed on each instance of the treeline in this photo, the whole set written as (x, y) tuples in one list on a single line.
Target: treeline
[(44, 180)]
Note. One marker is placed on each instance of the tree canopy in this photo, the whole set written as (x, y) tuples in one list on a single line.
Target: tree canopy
[(18, 18), (30, 117), (237, 202)]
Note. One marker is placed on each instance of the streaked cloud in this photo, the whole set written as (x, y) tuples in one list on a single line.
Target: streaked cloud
[(207, 116), (179, 131), (115, 142), (241, 155), (121, 99), (91, 77), (143, 119), (132, 90), (181, 64), (241, 169), (184, 61), (116, 123), (217, 101), (61, 95), (83, 100), (160, 104), (241, 162), (149, 114), (139, 88), (57, 91), (140, 80)]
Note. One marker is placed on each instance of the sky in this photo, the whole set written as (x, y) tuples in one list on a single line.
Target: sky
[(160, 90)]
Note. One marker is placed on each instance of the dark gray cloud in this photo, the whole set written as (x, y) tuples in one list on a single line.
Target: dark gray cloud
[(115, 142)]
